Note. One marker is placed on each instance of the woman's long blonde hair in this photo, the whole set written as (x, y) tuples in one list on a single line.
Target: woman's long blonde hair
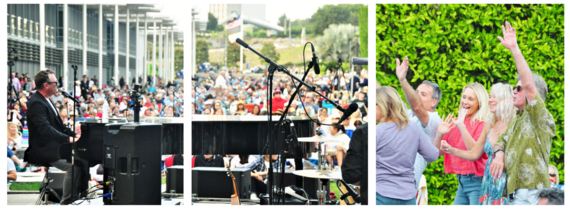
[(483, 113), (391, 106), (506, 110), (14, 123)]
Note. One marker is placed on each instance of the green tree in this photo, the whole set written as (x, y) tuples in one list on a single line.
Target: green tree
[(260, 34), (212, 23), (281, 21), (269, 51), (179, 57), (334, 14), (456, 44), (363, 30), (202, 51), (233, 54), (334, 43)]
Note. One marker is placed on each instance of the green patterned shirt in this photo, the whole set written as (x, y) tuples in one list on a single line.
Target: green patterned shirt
[(527, 147)]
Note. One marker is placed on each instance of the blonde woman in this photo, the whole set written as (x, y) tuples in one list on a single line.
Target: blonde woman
[(14, 136), (502, 112), (473, 112), (344, 102), (397, 142)]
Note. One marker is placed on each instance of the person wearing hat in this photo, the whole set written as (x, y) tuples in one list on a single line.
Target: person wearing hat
[(240, 110), (277, 102), (208, 107)]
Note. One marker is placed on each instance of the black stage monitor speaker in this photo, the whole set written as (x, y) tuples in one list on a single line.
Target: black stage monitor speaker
[(175, 179), (214, 182), (132, 163), (56, 185)]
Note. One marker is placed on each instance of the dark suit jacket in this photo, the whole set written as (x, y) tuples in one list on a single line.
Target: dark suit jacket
[(84, 87), (47, 131), (355, 165)]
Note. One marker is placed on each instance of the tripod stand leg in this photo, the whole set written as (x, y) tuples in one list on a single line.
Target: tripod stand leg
[(43, 197), (55, 194)]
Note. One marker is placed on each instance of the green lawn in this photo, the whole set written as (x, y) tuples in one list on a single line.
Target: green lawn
[(335, 189), (25, 186), (286, 55)]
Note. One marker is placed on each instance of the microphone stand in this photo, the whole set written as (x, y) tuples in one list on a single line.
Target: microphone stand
[(73, 141), (271, 70)]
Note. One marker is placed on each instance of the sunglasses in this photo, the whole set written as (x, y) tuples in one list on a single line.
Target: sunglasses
[(55, 82), (518, 88), (552, 174)]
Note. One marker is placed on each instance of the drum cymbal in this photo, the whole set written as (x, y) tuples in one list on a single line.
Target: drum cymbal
[(319, 139), (318, 174)]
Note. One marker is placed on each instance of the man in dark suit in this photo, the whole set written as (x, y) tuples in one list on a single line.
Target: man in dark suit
[(355, 166), (47, 132), (84, 87)]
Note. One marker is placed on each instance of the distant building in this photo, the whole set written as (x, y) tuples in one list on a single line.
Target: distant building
[(24, 36)]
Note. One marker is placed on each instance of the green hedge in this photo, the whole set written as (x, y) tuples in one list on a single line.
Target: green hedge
[(456, 44)]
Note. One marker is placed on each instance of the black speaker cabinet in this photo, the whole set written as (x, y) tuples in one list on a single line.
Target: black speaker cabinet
[(56, 185), (132, 162), (175, 179), (214, 182)]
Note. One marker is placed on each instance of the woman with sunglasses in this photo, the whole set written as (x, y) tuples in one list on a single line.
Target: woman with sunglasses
[(502, 111), (473, 112)]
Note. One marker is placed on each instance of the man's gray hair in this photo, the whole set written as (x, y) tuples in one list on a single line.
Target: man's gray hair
[(436, 93), (540, 85), (554, 195)]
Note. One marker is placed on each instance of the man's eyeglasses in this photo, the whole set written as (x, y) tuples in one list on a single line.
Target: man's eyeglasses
[(518, 88), (55, 82)]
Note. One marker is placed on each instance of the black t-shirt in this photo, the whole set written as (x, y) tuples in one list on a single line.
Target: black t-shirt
[(178, 160), (216, 161)]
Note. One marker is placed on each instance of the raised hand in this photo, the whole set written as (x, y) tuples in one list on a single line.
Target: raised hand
[(460, 117), (402, 69), (445, 126), (445, 147), (509, 39)]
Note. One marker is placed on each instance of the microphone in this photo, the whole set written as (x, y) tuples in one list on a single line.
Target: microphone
[(65, 94), (315, 61), (348, 111), (242, 43)]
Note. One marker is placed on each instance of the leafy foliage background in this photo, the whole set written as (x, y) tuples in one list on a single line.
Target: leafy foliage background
[(456, 44)]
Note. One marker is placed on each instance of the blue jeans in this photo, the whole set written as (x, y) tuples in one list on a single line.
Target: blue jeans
[(381, 200), (469, 190)]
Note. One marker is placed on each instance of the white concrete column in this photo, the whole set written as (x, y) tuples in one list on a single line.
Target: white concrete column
[(116, 44), (101, 80), (145, 45), (154, 52), (42, 36), (160, 50), (128, 56), (172, 50), (85, 39), (65, 49), (166, 50), (137, 48)]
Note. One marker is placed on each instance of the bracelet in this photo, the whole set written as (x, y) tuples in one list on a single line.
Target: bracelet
[(494, 153)]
